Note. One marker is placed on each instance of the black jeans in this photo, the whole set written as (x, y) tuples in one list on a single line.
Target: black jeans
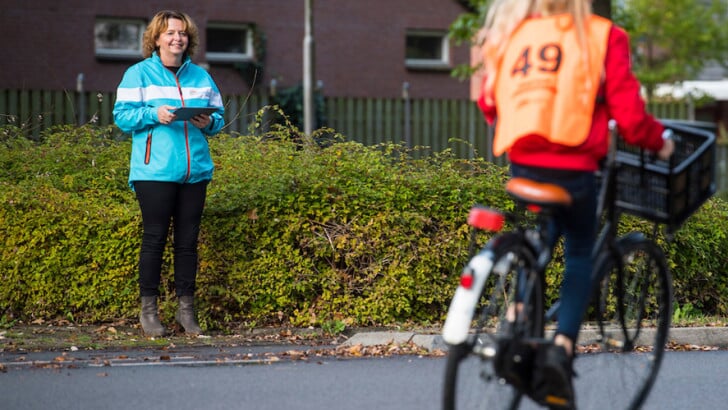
[(164, 204)]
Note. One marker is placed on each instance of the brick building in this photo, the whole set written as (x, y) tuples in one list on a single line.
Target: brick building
[(363, 48)]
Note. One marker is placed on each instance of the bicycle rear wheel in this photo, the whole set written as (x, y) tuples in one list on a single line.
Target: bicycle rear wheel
[(635, 310), (471, 381)]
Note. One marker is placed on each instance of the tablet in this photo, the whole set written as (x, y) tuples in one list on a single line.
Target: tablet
[(185, 113)]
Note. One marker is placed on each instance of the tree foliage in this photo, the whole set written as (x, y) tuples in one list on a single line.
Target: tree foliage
[(673, 40)]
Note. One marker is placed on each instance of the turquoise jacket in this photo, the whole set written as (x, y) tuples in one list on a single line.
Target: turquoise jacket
[(176, 152)]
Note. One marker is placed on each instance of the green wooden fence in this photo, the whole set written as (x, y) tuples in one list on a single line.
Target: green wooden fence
[(432, 125), (437, 124)]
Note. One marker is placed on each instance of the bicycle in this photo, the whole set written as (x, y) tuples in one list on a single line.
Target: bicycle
[(490, 359)]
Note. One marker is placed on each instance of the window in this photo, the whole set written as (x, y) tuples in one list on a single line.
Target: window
[(427, 49), (118, 38), (229, 43)]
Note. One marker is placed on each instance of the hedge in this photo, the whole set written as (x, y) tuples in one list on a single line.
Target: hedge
[(294, 232)]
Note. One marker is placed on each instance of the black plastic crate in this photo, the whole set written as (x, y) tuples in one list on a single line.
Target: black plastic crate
[(667, 192)]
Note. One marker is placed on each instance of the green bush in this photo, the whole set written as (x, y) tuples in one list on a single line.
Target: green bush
[(70, 229), (293, 232), (699, 257)]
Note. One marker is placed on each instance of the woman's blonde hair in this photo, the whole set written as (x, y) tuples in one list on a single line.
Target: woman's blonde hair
[(159, 24)]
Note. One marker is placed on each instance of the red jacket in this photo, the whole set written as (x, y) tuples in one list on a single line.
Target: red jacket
[(622, 102)]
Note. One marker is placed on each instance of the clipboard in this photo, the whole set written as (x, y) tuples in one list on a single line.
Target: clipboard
[(185, 113)]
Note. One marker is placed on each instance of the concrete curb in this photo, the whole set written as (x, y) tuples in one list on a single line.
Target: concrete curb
[(698, 336), (428, 341), (708, 336)]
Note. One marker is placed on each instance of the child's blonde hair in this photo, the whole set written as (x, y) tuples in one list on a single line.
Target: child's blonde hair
[(504, 16)]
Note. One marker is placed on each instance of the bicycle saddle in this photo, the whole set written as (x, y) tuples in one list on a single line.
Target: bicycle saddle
[(538, 193)]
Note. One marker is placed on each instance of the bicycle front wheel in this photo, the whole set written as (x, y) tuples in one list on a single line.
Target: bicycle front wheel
[(471, 381), (635, 311)]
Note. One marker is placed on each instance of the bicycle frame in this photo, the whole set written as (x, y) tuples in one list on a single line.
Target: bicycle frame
[(480, 266), (476, 272), (631, 286)]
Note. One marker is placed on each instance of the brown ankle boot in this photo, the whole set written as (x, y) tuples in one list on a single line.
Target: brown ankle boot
[(186, 315), (149, 317)]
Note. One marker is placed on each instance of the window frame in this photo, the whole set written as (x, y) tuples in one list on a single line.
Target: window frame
[(442, 63), (227, 57), (119, 53)]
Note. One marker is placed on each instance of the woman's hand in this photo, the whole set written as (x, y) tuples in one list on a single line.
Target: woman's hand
[(200, 121), (164, 115)]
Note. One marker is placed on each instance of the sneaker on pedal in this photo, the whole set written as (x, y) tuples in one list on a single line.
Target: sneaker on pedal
[(514, 361), (552, 379)]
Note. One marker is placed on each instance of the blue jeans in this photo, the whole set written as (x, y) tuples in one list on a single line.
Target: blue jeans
[(163, 204), (578, 226)]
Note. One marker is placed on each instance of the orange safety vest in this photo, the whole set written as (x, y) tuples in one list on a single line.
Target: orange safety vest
[(543, 86)]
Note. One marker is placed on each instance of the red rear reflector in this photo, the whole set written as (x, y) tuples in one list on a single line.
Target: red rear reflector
[(486, 219), (533, 208), (466, 280)]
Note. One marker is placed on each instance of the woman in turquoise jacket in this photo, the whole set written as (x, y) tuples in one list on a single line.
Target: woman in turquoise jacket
[(170, 164)]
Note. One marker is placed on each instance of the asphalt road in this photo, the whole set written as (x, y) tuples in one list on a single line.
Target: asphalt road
[(279, 377), (688, 380)]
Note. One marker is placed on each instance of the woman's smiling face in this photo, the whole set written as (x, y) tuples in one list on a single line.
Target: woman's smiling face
[(172, 43)]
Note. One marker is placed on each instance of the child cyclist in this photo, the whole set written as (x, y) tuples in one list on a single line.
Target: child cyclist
[(555, 74)]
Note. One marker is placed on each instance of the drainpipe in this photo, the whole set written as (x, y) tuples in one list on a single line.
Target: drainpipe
[(308, 70), (407, 114), (81, 99)]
